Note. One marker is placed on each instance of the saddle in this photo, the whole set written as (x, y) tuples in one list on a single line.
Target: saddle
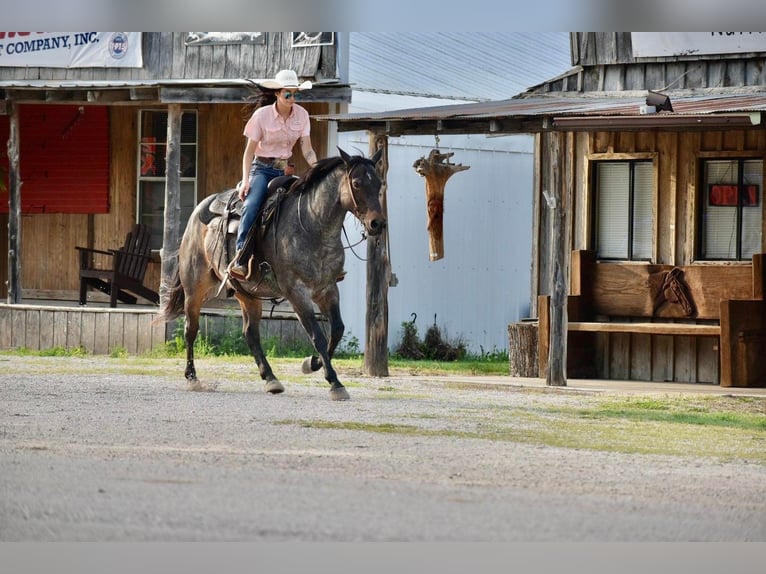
[(228, 204), (227, 207)]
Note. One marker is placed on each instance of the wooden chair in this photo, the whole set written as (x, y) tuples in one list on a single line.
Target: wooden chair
[(126, 272)]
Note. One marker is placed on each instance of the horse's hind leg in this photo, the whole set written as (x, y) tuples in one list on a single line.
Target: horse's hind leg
[(192, 309), (251, 317)]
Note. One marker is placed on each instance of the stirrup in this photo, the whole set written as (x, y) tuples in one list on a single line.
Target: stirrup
[(240, 270)]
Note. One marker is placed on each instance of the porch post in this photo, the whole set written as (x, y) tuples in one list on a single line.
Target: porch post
[(14, 208), (378, 277), (558, 319), (171, 236)]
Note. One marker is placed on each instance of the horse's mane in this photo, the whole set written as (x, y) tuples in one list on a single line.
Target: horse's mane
[(320, 171)]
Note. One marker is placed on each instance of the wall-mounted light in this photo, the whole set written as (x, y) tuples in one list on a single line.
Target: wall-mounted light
[(659, 101)]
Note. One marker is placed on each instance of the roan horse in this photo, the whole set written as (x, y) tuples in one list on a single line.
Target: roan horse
[(305, 254)]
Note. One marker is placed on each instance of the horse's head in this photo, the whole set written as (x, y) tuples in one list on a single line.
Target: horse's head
[(360, 191)]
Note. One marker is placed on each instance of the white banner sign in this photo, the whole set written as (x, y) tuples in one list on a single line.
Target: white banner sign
[(71, 49), (659, 44)]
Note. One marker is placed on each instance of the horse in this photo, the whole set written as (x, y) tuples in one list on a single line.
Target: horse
[(303, 259)]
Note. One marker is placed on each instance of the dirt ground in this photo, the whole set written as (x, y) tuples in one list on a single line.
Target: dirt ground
[(102, 449)]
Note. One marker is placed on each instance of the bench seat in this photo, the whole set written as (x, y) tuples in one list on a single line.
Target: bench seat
[(704, 322), (646, 328)]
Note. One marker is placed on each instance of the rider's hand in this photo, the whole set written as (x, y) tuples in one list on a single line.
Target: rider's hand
[(242, 190)]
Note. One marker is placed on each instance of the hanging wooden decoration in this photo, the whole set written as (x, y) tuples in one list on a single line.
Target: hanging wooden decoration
[(437, 169)]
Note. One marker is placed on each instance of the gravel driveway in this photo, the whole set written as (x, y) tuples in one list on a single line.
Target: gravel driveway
[(100, 449)]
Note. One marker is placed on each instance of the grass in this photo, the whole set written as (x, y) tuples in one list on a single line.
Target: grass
[(725, 428)]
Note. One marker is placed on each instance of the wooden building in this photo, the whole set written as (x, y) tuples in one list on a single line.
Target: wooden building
[(91, 142), (649, 180)]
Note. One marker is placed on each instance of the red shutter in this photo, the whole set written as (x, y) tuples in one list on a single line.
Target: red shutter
[(64, 159)]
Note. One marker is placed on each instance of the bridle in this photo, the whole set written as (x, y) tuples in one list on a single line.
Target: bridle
[(349, 183)]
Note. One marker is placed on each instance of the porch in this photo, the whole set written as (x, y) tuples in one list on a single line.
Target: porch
[(39, 325)]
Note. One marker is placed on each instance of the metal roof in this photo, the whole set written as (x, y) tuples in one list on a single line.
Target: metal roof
[(542, 112), (476, 66)]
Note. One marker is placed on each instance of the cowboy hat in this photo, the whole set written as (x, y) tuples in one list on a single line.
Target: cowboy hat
[(286, 79)]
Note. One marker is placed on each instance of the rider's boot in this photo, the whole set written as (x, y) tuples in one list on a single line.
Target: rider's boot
[(237, 268)]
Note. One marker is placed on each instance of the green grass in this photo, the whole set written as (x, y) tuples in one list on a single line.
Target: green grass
[(723, 427)]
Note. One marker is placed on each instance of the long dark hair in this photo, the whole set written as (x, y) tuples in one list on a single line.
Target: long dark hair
[(258, 97)]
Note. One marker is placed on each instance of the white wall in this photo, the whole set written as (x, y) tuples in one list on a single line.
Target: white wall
[(483, 282)]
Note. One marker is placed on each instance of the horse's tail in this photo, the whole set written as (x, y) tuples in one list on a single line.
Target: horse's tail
[(174, 302)]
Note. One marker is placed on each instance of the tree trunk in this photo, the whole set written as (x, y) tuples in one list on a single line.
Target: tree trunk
[(522, 349)]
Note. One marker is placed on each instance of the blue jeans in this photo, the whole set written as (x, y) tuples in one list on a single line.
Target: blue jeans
[(260, 176)]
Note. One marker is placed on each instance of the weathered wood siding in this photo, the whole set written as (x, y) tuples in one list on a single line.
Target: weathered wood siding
[(677, 156), (166, 57), (607, 64)]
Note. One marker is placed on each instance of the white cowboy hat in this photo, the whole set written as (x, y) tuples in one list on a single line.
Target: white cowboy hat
[(286, 79)]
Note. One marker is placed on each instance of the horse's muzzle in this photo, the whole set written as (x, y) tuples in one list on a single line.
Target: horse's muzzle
[(375, 225)]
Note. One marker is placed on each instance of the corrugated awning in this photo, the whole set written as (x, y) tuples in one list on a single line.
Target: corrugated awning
[(712, 109)]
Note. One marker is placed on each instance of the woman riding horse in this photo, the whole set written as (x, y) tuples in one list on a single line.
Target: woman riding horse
[(303, 250)]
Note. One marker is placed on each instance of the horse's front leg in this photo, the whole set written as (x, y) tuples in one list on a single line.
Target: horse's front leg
[(251, 317), (309, 321)]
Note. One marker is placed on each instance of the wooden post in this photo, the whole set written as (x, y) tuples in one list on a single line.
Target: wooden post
[(171, 237), (14, 208), (557, 203), (378, 277), (436, 170)]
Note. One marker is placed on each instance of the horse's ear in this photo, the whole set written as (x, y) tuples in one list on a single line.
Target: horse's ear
[(377, 155), (344, 155)]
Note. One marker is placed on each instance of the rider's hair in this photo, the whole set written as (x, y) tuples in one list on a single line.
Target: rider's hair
[(258, 97)]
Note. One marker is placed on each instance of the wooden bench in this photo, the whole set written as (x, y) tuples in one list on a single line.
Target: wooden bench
[(706, 312), (124, 272)]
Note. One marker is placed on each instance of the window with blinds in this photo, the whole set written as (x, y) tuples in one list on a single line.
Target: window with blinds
[(152, 149), (731, 212), (623, 205)]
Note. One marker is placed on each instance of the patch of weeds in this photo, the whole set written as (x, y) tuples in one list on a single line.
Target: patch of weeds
[(119, 352), (677, 411)]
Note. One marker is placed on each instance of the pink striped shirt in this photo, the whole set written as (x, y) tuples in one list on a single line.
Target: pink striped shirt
[(274, 135)]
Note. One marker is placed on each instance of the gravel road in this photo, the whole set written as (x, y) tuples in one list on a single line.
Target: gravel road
[(96, 452)]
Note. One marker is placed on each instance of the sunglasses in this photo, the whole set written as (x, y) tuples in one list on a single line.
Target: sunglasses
[(288, 94)]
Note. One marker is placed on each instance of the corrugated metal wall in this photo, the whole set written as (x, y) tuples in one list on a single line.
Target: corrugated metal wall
[(483, 282)]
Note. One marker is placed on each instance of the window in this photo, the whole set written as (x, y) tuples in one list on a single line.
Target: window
[(731, 212), (623, 209), (152, 149)]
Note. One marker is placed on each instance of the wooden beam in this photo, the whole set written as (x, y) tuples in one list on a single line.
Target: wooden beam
[(378, 277), (171, 238), (145, 94), (14, 208), (556, 375)]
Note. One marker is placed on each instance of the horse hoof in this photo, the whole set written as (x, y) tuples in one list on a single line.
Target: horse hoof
[(339, 394), (308, 366), (274, 387)]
